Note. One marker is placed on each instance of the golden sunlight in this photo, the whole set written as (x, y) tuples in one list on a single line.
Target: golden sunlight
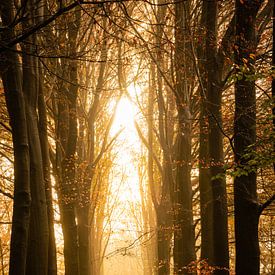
[(128, 145), (126, 113), (125, 188)]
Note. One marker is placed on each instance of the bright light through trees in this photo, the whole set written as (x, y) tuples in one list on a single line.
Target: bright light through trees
[(125, 190)]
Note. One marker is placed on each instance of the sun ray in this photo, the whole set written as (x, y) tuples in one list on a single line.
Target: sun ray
[(125, 184)]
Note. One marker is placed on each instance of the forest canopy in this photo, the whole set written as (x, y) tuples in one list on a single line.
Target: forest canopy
[(137, 137)]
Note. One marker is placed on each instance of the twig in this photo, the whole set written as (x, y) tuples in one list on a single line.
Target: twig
[(266, 204), (9, 195)]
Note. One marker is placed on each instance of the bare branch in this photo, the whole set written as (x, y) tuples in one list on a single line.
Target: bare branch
[(266, 204), (5, 126), (7, 194), (145, 142)]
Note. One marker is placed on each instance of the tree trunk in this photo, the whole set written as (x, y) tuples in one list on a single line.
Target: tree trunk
[(68, 206), (84, 240), (163, 241), (150, 168), (37, 259), (65, 159), (206, 196), (66, 147), (163, 205), (52, 261), (71, 156), (214, 100), (184, 234), (12, 81), (245, 187)]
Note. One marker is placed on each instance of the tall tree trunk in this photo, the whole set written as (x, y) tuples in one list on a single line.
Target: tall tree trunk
[(150, 172), (214, 100), (68, 201), (12, 81), (37, 260), (150, 168), (163, 205), (206, 196), (148, 251), (71, 153), (84, 240), (184, 234), (66, 146), (65, 166), (163, 240), (68, 215), (52, 261), (43, 134), (245, 187)]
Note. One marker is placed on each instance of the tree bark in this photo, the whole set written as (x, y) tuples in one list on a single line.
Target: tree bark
[(52, 261), (37, 259), (12, 82), (65, 168), (150, 160), (245, 186), (67, 133), (163, 241), (161, 195), (214, 102), (206, 196), (67, 137), (184, 234)]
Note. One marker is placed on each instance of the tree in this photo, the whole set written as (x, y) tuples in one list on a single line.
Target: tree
[(66, 131), (184, 235), (215, 141), (245, 185), (43, 134), (28, 83), (12, 81), (39, 233)]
